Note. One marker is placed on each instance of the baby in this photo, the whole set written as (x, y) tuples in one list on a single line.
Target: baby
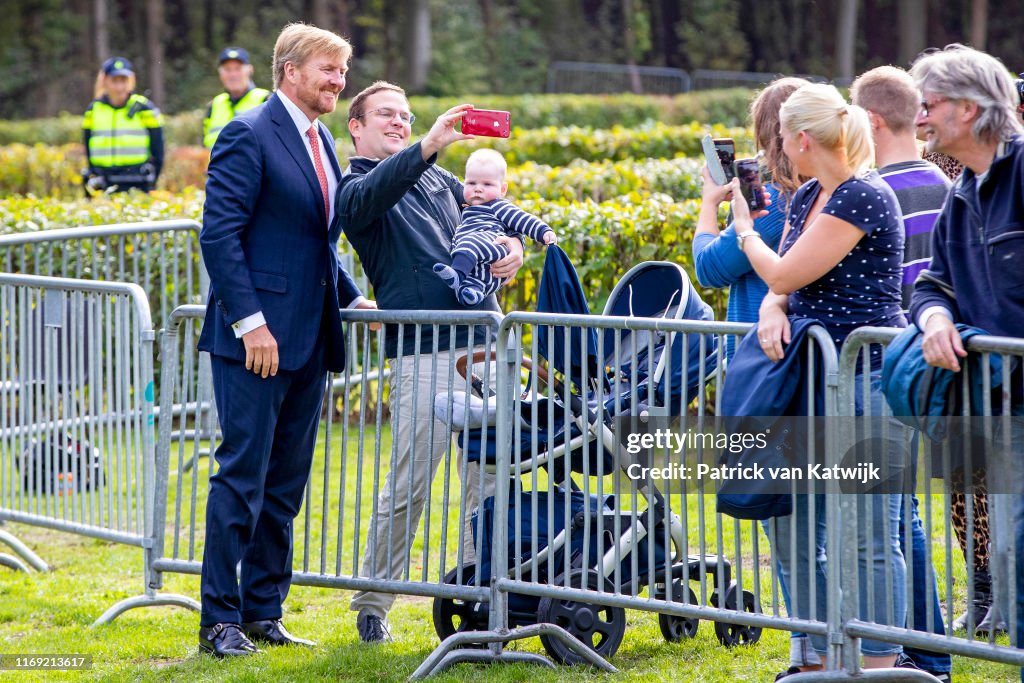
[(486, 216)]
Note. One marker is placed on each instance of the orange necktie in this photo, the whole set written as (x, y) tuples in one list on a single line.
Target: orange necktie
[(314, 143)]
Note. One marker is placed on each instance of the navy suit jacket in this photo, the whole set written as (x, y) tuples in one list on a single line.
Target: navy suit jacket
[(266, 243)]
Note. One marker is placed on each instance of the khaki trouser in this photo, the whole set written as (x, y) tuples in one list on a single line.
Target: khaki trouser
[(417, 454)]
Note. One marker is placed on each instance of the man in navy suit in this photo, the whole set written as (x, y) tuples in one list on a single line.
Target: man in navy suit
[(273, 331)]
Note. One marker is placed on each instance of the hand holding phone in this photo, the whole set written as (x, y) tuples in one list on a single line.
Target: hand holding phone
[(749, 173), (489, 122), (719, 155)]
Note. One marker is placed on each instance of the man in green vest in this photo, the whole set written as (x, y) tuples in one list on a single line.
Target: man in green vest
[(122, 133), (240, 93)]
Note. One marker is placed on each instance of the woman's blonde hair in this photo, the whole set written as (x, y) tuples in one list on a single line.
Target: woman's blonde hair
[(821, 112), (99, 89), (764, 113)]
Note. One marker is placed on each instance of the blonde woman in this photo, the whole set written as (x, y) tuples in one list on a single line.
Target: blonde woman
[(840, 263)]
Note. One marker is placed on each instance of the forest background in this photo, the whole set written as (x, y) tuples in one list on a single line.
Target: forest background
[(50, 49)]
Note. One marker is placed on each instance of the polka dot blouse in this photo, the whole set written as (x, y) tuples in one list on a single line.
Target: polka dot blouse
[(864, 287)]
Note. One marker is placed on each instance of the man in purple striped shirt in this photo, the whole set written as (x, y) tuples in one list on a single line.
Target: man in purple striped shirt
[(892, 100)]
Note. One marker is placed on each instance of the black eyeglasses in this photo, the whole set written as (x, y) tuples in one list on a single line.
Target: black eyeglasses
[(927, 106), (387, 113)]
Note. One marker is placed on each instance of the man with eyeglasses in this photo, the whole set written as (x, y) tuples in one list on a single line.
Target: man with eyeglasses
[(400, 210), (969, 110)]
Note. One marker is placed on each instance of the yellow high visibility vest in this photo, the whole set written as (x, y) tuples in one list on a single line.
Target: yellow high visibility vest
[(222, 111), (119, 136)]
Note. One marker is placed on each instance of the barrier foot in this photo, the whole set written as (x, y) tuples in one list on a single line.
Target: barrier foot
[(14, 563), (449, 652), (23, 551), (193, 462), (896, 675), (156, 600)]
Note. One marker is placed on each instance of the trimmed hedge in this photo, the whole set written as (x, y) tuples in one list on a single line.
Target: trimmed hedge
[(562, 146), (27, 214), (45, 171), (726, 107), (603, 239), (54, 171), (601, 180)]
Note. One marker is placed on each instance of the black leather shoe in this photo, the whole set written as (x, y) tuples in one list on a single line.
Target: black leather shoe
[(272, 632), (225, 640)]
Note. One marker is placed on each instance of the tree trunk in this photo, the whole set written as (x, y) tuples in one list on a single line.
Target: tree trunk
[(846, 43), (913, 29), (343, 25), (491, 43), (419, 45), (319, 13), (155, 50), (979, 24), (209, 17), (630, 45), (101, 29)]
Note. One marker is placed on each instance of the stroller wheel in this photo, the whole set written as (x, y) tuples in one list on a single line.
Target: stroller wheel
[(598, 627), (674, 628), (452, 615), (730, 635)]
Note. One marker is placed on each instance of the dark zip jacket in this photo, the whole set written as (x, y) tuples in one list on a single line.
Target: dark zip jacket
[(400, 215), (977, 268)]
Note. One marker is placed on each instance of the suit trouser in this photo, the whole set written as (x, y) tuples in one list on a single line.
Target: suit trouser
[(420, 443), (269, 433)]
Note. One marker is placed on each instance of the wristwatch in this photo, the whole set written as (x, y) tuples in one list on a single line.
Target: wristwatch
[(741, 236)]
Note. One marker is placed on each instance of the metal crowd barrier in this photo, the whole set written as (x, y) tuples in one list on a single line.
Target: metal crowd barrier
[(578, 535), (342, 509), (162, 257), (935, 486), (590, 77), (76, 410)]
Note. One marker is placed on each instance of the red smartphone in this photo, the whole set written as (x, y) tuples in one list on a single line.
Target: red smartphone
[(489, 122)]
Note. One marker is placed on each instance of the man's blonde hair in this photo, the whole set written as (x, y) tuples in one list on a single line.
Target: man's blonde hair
[(487, 156), (891, 94), (298, 42)]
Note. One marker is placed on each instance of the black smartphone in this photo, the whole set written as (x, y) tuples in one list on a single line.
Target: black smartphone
[(726, 150), (749, 173)]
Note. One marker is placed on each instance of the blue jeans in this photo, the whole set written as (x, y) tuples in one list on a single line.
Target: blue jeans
[(798, 653), (881, 565), (1018, 539), (1017, 438), (929, 661), (887, 607)]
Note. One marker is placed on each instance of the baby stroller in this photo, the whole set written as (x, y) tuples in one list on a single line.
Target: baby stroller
[(563, 536)]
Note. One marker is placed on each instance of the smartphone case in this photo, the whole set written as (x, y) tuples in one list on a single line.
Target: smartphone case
[(488, 122), (713, 162)]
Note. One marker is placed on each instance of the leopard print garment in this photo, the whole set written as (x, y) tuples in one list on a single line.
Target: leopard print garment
[(958, 505), (950, 166)]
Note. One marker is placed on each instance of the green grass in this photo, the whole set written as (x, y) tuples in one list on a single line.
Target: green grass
[(50, 613)]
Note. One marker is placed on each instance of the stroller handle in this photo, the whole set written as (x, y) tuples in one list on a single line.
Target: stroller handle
[(488, 356)]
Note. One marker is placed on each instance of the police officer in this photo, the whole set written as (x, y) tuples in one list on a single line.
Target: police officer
[(122, 132), (240, 95)]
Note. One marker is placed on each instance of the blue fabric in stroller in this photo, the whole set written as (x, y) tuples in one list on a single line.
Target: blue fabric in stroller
[(636, 371), (536, 532), (655, 289)]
